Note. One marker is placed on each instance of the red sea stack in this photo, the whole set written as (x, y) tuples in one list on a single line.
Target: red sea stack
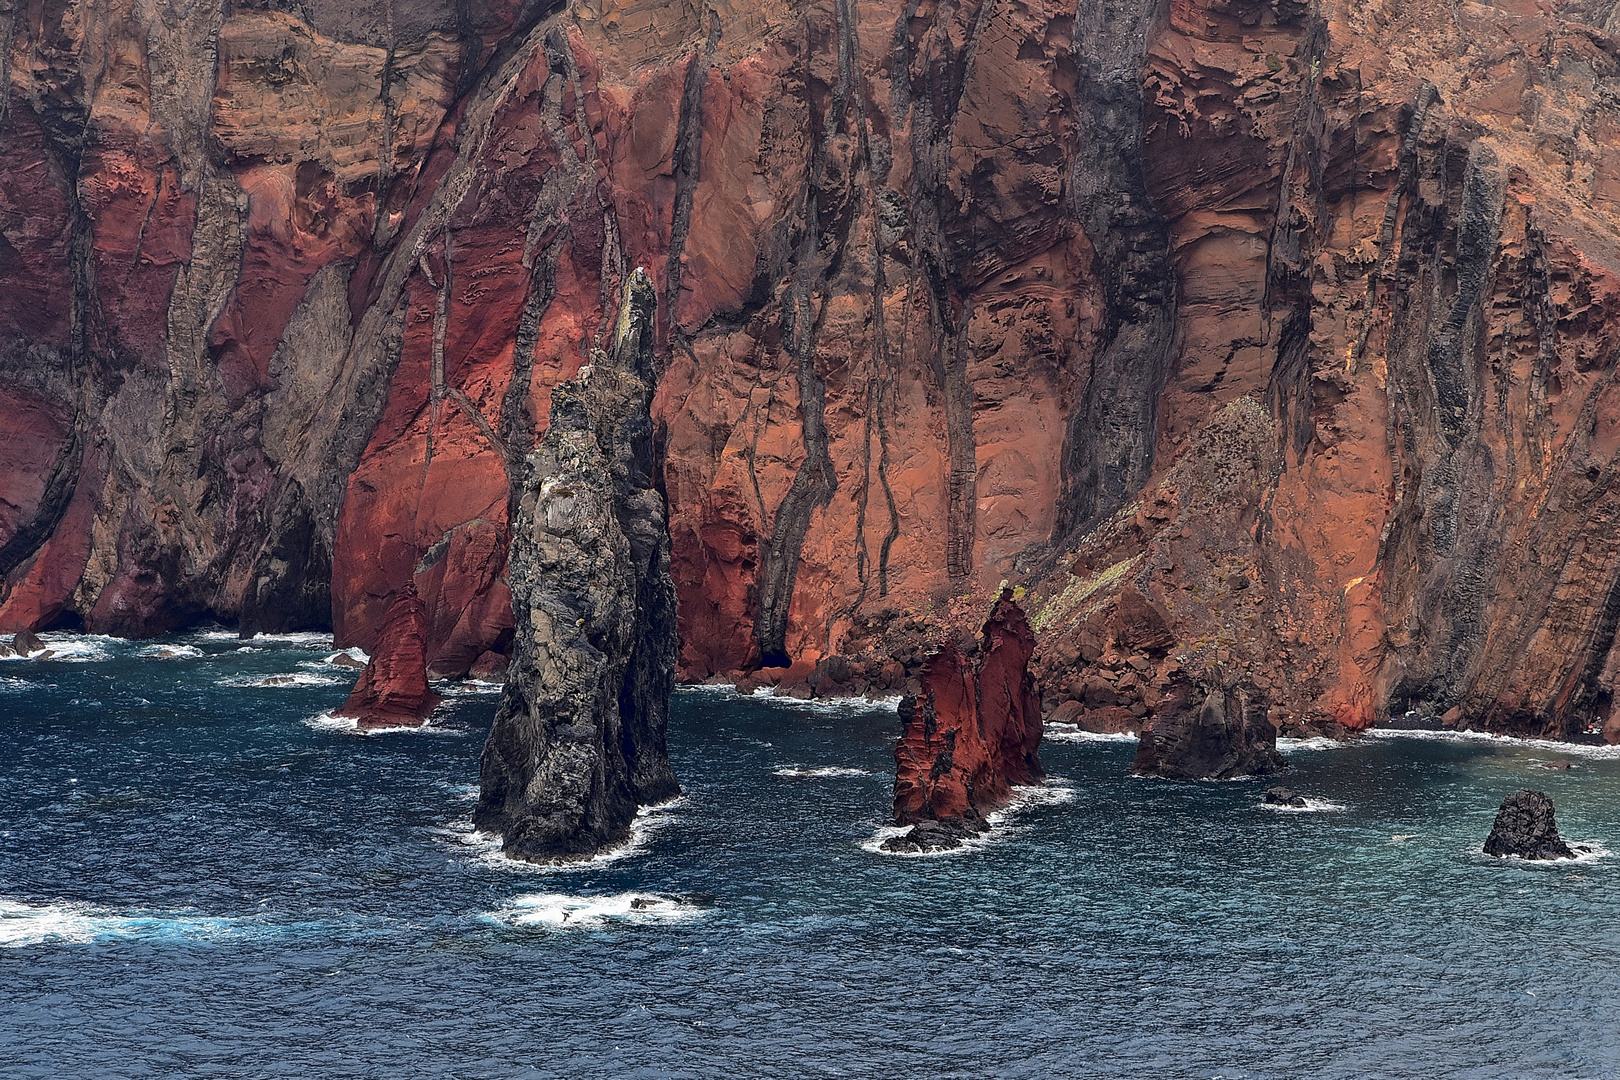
[(973, 729), (393, 689)]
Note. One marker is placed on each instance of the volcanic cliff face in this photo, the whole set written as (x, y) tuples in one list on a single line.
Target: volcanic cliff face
[(1291, 319), (579, 740)]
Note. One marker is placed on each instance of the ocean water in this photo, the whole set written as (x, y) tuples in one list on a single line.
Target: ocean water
[(200, 876)]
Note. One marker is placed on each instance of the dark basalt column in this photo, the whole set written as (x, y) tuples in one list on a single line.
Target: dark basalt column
[(579, 740), (1526, 827), (1208, 730)]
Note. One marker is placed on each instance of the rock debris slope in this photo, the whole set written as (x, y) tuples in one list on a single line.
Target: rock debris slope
[(578, 743), (1295, 319)]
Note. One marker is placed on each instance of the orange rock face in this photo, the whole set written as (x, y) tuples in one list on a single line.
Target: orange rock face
[(1294, 322), (973, 728), (393, 689)]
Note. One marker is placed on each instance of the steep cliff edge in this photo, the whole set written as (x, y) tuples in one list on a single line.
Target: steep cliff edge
[(578, 743), (971, 732), (1294, 319)]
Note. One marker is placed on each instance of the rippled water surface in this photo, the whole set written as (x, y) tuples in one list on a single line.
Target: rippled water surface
[(198, 878)]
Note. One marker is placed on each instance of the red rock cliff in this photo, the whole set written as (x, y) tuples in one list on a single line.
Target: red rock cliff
[(1292, 318)]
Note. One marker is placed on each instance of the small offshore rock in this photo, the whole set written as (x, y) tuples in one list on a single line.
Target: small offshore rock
[(1525, 827), (344, 660), (1561, 764), (26, 643), (1282, 796)]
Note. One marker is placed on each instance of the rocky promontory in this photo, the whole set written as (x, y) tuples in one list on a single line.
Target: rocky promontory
[(1526, 827), (578, 743), (971, 732)]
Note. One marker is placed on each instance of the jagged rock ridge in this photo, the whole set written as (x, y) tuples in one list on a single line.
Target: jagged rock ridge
[(579, 741)]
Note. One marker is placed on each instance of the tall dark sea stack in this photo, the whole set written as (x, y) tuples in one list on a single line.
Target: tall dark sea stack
[(579, 740)]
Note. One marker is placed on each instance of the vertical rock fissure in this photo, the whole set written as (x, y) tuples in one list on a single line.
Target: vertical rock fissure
[(802, 309), (1109, 443), (688, 165)]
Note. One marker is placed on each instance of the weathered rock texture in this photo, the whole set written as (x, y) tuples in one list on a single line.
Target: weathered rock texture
[(393, 689), (1295, 317), (1526, 827), (973, 729), (578, 743), (1208, 729)]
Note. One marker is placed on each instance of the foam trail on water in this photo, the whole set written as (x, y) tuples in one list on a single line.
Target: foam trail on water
[(799, 772), (348, 725), (1315, 742), (23, 924), (1585, 750), (1061, 732), (563, 911), (1312, 806), (282, 680), (170, 652)]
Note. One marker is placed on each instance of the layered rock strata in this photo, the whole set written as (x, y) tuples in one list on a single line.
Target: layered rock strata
[(1296, 319), (970, 733), (1208, 728), (393, 690), (1526, 827), (578, 743)]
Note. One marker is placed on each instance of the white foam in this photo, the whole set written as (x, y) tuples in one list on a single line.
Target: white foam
[(303, 637), (13, 686), (485, 847), (1549, 745), (75, 648), (348, 725), (282, 680), (563, 911), (353, 652), (41, 924), (1314, 742), (798, 772), (842, 704), (462, 792), (1595, 852), (466, 688), (1312, 806), (1003, 823), (170, 652), (1061, 732)]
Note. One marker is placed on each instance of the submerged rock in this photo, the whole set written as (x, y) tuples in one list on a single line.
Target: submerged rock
[(1208, 730), (578, 742), (928, 836), (1282, 796), (1525, 826), (973, 729), (393, 689)]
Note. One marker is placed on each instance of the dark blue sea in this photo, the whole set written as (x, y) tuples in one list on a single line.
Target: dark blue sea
[(199, 877)]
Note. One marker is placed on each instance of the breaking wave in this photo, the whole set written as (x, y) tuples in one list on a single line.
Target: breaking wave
[(563, 911), (78, 924), (1003, 823)]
